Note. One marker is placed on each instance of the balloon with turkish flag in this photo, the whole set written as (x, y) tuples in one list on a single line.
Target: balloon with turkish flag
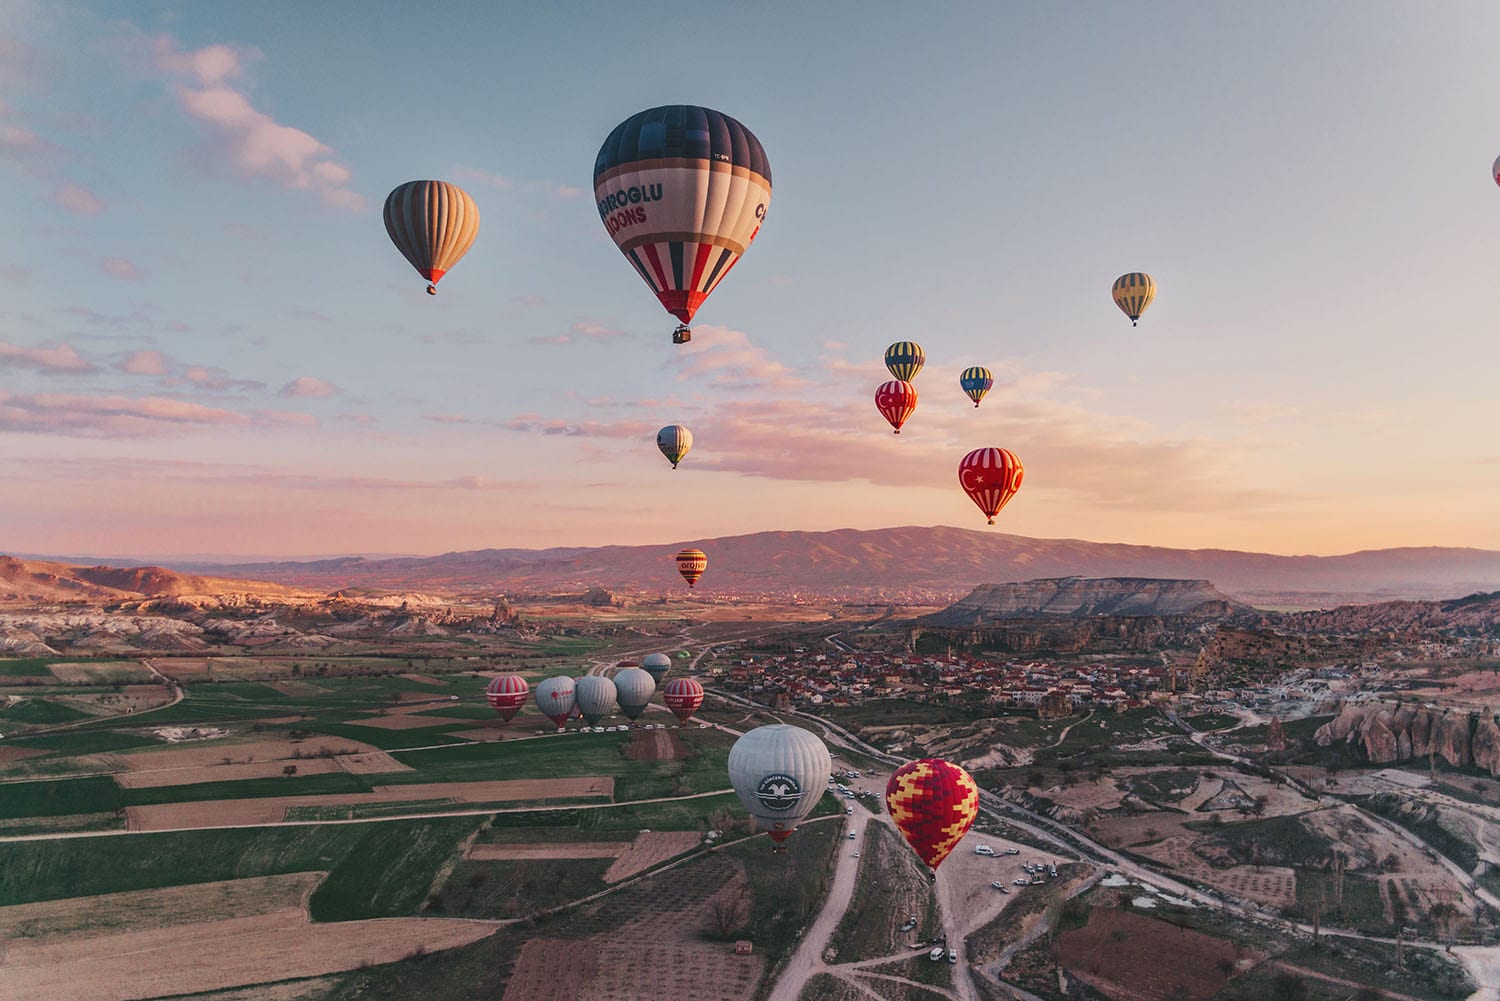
[(991, 477)]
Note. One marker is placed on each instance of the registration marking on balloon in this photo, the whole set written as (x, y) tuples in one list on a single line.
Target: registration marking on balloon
[(934, 804)]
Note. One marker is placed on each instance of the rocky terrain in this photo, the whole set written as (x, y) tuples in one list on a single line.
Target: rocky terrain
[(1388, 732), (1087, 596)]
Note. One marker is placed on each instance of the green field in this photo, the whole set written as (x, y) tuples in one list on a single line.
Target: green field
[(40, 712), (386, 873), (516, 888), (27, 667)]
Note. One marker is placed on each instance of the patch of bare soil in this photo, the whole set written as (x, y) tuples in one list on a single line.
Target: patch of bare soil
[(223, 773), (398, 722), (649, 849), (250, 751), (296, 688), (548, 850), (1120, 953), (101, 673), (249, 950), (19, 753), (424, 679), (272, 809), (655, 745), (142, 910), (370, 763)]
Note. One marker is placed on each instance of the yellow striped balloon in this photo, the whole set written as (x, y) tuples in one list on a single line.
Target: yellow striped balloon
[(933, 805), (905, 359), (433, 224), (1133, 293)]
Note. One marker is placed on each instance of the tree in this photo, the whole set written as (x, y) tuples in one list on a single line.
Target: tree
[(289, 771), (1443, 914), (729, 913), (1288, 986)]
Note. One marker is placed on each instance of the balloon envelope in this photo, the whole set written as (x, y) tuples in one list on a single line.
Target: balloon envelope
[(991, 477), (905, 359), (1495, 170), (657, 665), (507, 694), (634, 688), (1133, 293), (433, 224), (779, 772), (555, 698), (896, 400), (691, 563), (674, 440), (682, 191), (596, 697), (683, 696), (976, 381), (933, 804)]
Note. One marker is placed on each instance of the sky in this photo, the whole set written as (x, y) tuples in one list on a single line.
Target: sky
[(208, 345)]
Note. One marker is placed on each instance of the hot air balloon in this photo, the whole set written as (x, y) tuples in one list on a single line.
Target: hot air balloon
[(691, 563), (1495, 170), (779, 772), (990, 476), (596, 697), (674, 440), (657, 665), (634, 689), (1133, 293), (433, 224), (683, 696), (682, 190), (555, 698), (976, 381), (905, 359), (507, 694), (933, 804), (896, 400)]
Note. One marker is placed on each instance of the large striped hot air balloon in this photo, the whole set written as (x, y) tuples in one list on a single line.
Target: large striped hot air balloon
[(976, 381), (596, 697), (905, 359), (683, 696), (683, 191), (433, 224), (691, 563), (634, 688), (657, 665), (991, 477), (556, 699), (1133, 293), (779, 772), (674, 440), (896, 400), (933, 804), (507, 694)]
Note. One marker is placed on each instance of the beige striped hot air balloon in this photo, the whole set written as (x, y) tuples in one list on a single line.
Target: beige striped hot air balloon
[(1133, 293), (433, 224)]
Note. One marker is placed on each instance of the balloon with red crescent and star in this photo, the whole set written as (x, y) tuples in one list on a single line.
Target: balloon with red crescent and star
[(896, 400), (933, 804), (991, 477)]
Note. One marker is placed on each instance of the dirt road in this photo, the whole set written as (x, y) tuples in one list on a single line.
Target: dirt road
[(808, 959)]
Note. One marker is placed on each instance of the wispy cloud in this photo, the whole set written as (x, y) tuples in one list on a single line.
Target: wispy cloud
[(308, 386), (727, 359), (536, 424), (123, 269), (45, 160), (145, 363), (502, 182), (107, 416), (77, 199), (253, 143), (59, 359)]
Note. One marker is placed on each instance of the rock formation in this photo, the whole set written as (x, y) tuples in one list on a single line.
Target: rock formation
[(1086, 596), (1389, 732)]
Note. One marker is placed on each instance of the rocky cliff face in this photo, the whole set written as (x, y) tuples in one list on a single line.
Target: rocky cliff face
[(1388, 732), (1078, 597)]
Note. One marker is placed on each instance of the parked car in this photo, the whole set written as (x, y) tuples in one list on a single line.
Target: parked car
[(998, 885), (851, 835), (936, 954), (909, 924), (953, 955), (983, 850)]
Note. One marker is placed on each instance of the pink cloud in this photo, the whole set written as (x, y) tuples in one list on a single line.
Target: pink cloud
[(217, 380), (550, 339), (107, 416), (61, 359), (311, 314), (15, 274), (596, 331), (145, 363), (125, 270), (308, 386), (726, 358), (77, 199), (251, 141), (535, 424), (448, 419)]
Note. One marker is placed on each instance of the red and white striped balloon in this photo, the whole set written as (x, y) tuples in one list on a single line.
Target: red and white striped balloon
[(683, 696), (991, 477), (507, 694), (896, 400)]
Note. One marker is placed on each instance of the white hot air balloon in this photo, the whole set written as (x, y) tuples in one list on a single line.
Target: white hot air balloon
[(596, 697), (554, 697), (657, 665), (634, 688), (779, 772)]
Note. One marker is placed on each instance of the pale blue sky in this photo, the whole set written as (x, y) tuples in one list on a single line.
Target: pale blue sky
[(1307, 183)]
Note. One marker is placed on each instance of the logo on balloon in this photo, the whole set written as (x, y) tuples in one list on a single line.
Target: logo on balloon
[(778, 792)]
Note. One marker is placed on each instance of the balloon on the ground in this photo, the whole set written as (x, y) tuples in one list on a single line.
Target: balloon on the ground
[(933, 804), (433, 224), (596, 697), (555, 698), (1133, 293), (779, 772), (674, 440), (507, 694), (691, 563), (657, 665), (896, 400), (905, 359), (991, 477), (976, 381), (634, 688), (683, 191), (683, 696)]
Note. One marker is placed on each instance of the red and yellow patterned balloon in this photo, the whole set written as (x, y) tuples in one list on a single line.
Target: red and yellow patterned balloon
[(933, 804)]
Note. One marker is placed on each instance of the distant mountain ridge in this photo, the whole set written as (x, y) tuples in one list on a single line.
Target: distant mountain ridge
[(934, 565), (1076, 597)]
